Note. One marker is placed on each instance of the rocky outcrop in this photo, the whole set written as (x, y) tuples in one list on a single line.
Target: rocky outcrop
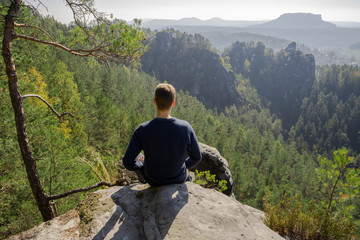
[(284, 79), (180, 211), (65, 226), (291, 47), (189, 63), (216, 164)]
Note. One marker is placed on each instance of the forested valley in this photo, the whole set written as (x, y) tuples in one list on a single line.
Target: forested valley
[(270, 114)]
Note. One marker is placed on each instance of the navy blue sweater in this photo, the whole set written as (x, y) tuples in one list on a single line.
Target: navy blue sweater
[(166, 144)]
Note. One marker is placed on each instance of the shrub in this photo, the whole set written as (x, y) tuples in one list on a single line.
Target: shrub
[(292, 218), (327, 218), (208, 180)]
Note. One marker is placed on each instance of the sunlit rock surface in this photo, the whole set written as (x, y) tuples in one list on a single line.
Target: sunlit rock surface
[(180, 211)]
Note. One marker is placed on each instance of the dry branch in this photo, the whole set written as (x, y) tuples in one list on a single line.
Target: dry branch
[(65, 194), (58, 45), (35, 27), (99, 51), (48, 104)]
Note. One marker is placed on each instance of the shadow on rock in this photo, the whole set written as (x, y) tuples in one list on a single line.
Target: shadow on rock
[(144, 212)]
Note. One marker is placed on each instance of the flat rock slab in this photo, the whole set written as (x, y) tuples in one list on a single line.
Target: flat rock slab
[(180, 211)]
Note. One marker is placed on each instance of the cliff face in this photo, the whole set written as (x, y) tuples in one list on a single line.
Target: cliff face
[(181, 211), (284, 78), (292, 78), (188, 63)]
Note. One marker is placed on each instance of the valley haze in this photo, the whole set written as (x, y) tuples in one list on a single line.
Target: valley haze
[(304, 28)]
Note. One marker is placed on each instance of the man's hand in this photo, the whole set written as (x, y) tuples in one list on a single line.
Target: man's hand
[(141, 158)]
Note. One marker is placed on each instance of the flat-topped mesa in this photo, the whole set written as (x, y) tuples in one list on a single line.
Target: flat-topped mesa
[(297, 20)]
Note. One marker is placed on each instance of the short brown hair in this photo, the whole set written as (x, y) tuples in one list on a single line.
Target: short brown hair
[(164, 96)]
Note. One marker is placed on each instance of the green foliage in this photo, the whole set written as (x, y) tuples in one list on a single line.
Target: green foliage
[(57, 146), (340, 183), (17, 207), (208, 180), (249, 93), (114, 40), (95, 162), (282, 79), (297, 219), (328, 218), (330, 115)]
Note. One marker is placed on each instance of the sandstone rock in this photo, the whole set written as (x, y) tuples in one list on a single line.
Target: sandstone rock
[(216, 164), (181, 211), (65, 226), (189, 65), (291, 47)]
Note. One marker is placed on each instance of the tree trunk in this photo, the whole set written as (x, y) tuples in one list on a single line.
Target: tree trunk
[(16, 100)]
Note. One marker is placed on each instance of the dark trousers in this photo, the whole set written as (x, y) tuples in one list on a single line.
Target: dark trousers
[(144, 179)]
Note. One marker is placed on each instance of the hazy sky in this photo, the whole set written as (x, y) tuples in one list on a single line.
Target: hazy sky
[(331, 10)]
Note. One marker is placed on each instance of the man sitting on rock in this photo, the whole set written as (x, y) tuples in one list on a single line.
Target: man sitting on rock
[(166, 142)]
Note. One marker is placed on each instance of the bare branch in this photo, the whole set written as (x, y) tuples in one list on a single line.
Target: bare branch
[(84, 12), (98, 51), (38, 28), (51, 43), (41, 4), (38, 5), (65, 194), (48, 104)]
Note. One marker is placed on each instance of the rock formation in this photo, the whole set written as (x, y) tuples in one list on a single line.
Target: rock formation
[(181, 211), (188, 62), (216, 164)]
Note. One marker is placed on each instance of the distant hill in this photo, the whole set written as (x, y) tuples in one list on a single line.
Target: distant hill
[(321, 38), (217, 22), (308, 29), (304, 28), (224, 40), (298, 20), (287, 20), (346, 24)]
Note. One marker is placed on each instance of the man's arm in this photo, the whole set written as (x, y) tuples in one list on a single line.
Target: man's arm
[(132, 151), (193, 150)]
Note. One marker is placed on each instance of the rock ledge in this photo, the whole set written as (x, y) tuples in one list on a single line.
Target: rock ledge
[(180, 211)]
